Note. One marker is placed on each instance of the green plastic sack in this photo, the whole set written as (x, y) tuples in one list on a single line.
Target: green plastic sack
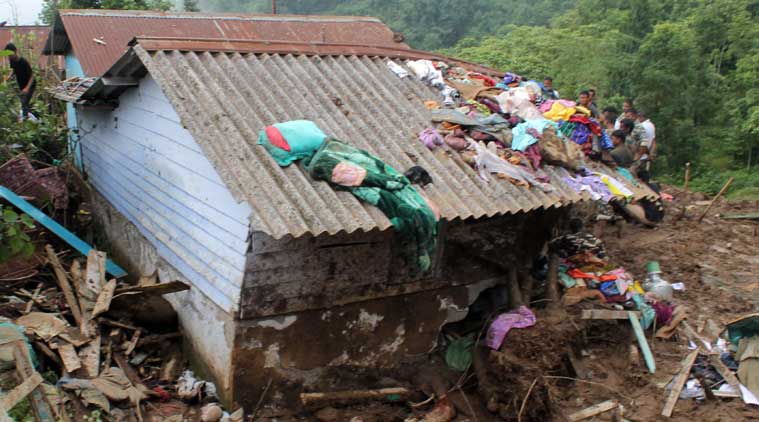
[(386, 189), (303, 137), (458, 356)]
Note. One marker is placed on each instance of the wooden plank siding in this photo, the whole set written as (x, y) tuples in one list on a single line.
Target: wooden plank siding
[(141, 159)]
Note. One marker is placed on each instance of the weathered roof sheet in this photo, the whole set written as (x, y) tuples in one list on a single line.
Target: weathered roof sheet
[(225, 99), (115, 28)]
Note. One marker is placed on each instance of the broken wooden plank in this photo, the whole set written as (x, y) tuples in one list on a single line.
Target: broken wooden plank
[(594, 410), (726, 373), (606, 314), (41, 407), (63, 283), (56, 228), (678, 383), (117, 324), (47, 352), (131, 374), (69, 357), (94, 273), (133, 342), (21, 391), (90, 358), (74, 336), (155, 289), (104, 299), (351, 396), (641, 336)]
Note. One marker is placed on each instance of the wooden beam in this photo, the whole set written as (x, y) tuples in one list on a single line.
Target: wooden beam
[(119, 81), (641, 336), (716, 197), (41, 407), (63, 283), (678, 383), (22, 390), (594, 410), (726, 373), (606, 314), (384, 394)]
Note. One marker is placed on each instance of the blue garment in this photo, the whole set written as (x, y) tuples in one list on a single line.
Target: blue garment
[(522, 139), (605, 141), (302, 136)]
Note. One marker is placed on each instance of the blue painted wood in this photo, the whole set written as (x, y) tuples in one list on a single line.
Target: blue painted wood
[(141, 159), (222, 259), (52, 225), (73, 68)]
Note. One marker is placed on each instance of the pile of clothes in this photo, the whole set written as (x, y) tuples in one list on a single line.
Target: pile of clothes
[(507, 127), (345, 167), (586, 272)]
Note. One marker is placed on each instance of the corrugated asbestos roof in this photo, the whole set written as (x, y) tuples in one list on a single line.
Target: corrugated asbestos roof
[(225, 99), (115, 28)]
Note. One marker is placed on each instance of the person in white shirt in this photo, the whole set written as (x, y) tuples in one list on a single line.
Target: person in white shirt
[(650, 128)]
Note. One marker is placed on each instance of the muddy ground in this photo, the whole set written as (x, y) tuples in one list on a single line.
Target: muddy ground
[(565, 364)]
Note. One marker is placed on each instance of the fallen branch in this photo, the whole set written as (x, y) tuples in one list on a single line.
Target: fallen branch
[(716, 197), (524, 401), (352, 396)]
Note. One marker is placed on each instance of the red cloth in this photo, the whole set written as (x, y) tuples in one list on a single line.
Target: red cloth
[(276, 138), (575, 273), (486, 80)]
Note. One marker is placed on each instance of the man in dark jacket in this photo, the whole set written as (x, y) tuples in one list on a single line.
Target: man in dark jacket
[(25, 78)]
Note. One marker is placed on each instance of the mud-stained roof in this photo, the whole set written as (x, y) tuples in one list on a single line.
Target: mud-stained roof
[(224, 98)]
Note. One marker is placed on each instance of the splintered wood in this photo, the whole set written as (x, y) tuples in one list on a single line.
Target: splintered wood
[(678, 383), (594, 410), (85, 352), (63, 283)]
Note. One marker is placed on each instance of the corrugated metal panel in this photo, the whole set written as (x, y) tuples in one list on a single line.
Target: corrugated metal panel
[(225, 99), (117, 28)]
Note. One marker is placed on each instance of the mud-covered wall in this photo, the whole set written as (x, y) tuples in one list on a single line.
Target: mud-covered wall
[(313, 306)]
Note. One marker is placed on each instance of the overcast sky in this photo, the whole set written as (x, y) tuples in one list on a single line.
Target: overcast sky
[(28, 11)]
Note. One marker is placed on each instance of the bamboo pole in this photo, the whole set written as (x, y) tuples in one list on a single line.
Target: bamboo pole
[(716, 197), (687, 175)]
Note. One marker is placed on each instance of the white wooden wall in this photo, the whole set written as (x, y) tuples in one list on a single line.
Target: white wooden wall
[(141, 159)]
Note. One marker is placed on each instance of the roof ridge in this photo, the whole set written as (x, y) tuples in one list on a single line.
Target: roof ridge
[(148, 14)]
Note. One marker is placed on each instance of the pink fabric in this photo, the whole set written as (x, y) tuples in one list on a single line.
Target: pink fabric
[(521, 318), (348, 174), (276, 138), (546, 106), (431, 138)]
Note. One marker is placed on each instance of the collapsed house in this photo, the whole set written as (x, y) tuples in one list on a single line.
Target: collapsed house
[(289, 276)]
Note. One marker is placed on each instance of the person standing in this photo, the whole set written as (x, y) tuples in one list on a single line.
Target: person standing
[(24, 77), (626, 106), (584, 101), (650, 128), (547, 89)]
